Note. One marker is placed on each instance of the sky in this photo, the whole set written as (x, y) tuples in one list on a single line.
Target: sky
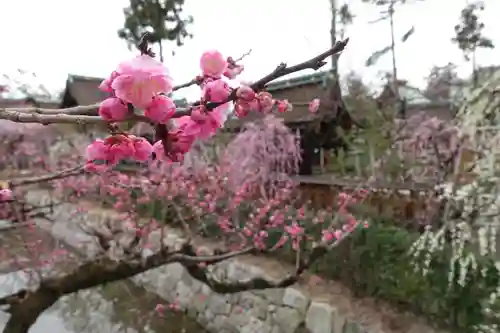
[(54, 38)]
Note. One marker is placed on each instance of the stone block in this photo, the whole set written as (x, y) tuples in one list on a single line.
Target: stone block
[(296, 299), (351, 326), (287, 319), (184, 295), (320, 318), (219, 305), (274, 296)]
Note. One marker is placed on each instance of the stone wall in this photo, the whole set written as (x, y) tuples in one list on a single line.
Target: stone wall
[(266, 311), (289, 310)]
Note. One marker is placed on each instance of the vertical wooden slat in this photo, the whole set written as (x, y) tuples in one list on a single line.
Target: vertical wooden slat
[(322, 160), (357, 163)]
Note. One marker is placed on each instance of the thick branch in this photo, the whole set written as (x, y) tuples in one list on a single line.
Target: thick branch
[(25, 305)]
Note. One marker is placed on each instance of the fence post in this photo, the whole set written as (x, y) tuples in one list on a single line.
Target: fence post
[(357, 163), (322, 160), (372, 158)]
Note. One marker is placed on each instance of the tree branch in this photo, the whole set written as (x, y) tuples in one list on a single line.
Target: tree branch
[(22, 116), (74, 171), (26, 305), (88, 114)]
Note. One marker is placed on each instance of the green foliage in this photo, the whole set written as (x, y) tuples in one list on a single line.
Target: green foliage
[(387, 14), (469, 32), (163, 19), (375, 262), (375, 56)]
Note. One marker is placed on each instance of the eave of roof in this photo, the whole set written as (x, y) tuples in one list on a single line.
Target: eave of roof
[(179, 102), (314, 78), (72, 77)]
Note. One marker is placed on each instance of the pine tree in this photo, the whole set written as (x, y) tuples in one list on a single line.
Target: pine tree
[(163, 20), (469, 35)]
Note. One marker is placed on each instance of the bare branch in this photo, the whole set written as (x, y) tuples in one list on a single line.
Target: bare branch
[(88, 114), (74, 171), (20, 115)]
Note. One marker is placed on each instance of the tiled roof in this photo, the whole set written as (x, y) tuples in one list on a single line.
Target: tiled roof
[(24, 102), (85, 90), (314, 78), (411, 95)]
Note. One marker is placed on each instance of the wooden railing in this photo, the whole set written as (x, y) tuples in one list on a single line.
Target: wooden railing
[(395, 200)]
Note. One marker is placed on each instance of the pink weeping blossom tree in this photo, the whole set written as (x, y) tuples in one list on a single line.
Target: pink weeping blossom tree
[(262, 156)]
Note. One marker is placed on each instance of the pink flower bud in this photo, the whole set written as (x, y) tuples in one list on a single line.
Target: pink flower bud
[(212, 63), (161, 109), (216, 91), (245, 93), (113, 109), (314, 105)]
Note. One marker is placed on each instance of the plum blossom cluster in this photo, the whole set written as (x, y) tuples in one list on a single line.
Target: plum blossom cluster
[(206, 202), (258, 209), (145, 84)]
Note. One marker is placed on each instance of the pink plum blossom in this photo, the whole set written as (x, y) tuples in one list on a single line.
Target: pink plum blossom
[(212, 63), (142, 149), (117, 147), (266, 102), (241, 110), (232, 72), (245, 93), (203, 124), (106, 83), (180, 144), (283, 106), (140, 80), (216, 91), (161, 109), (314, 105), (97, 150)]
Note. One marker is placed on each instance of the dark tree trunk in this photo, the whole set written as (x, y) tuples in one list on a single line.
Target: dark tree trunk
[(25, 313)]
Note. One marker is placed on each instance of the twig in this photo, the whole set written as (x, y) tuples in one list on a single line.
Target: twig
[(281, 70), (16, 225), (74, 171), (184, 224), (246, 54)]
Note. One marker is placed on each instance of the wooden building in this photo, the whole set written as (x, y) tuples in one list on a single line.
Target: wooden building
[(27, 102), (82, 90), (412, 100)]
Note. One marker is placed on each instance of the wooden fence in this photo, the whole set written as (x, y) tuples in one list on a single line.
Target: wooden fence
[(399, 201)]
